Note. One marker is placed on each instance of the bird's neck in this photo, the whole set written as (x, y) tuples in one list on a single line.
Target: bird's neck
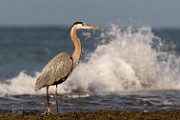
[(77, 44)]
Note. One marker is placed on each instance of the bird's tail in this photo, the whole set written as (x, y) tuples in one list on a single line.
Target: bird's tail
[(40, 83)]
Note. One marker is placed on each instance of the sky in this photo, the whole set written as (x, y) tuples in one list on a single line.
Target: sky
[(155, 13)]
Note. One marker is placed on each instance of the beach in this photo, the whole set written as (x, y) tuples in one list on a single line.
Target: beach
[(98, 115)]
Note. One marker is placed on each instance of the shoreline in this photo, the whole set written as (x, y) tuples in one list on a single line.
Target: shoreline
[(100, 115)]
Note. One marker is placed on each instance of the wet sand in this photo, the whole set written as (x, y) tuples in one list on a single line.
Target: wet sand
[(98, 115)]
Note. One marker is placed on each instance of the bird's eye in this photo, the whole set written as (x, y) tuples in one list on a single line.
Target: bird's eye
[(84, 24)]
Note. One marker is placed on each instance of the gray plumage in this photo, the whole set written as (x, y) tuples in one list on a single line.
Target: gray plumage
[(56, 71)]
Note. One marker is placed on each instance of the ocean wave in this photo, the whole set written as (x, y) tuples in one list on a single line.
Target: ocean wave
[(124, 61)]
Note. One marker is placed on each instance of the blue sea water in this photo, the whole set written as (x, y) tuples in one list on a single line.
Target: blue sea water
[(133, 69)]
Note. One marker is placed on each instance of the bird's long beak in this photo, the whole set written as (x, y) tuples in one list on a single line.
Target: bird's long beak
[(94, 27)]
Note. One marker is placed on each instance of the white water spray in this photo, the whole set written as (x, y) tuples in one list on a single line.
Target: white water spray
[(124, 61)]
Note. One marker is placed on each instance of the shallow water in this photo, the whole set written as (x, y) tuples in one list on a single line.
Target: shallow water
[(126, 69), (139, 101)]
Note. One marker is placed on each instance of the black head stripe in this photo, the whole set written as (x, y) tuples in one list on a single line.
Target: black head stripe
[(78, 23)]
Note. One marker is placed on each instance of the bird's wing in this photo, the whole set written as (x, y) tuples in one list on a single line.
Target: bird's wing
[(57, 69)]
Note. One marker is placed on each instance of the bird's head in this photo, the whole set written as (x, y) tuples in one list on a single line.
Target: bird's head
[(82, 25)]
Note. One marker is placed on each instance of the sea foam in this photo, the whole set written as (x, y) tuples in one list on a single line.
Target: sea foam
[(124, 61)]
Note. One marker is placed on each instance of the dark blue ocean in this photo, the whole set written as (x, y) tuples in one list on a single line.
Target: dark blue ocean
[(121, 68)]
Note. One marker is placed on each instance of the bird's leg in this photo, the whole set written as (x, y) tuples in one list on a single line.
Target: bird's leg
[(47, 95), (48, 109), (56, 94)]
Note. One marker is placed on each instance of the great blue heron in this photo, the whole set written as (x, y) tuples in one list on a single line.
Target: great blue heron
[(59, 68)]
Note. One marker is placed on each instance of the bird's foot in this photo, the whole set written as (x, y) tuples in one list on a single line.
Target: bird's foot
[(48, 111)]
